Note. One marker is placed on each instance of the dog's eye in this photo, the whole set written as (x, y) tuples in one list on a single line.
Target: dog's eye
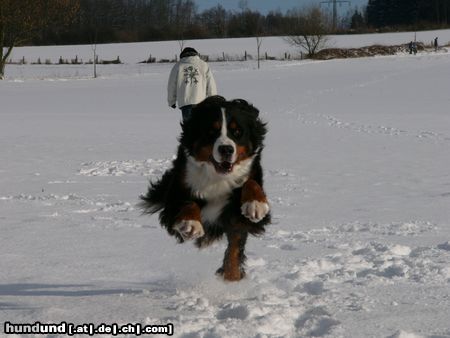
[(215, 129), (213, 132), (236, 133)]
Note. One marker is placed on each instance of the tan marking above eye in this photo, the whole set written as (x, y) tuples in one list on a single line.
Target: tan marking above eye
[(217, 125)]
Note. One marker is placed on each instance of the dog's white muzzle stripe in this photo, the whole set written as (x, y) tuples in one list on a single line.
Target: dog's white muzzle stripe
[(224, 140)]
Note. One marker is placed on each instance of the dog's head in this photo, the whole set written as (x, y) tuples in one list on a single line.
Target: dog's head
[(223, 133)]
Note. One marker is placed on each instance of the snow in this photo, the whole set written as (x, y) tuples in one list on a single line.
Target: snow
[(356, 170), (214, 48)]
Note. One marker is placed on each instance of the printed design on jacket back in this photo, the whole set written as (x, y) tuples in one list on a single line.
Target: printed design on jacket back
[(191, 75)]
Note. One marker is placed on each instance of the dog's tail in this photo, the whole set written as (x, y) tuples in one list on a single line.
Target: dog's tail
[(154, 200)]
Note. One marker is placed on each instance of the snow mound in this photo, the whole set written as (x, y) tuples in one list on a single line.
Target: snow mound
[(149, 167)]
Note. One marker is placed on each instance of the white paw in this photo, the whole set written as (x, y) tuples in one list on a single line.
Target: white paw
[(255, 211), (189, 229)]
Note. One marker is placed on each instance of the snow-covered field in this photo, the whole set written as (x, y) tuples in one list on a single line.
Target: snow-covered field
[(215, 48), (356, 169)]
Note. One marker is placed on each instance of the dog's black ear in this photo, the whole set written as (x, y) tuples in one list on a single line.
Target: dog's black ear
[(208, 104), (212, 101), (247, 107), (190, 127)]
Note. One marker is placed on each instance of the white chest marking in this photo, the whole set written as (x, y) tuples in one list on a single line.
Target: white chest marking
[(213, 187), (212, 210)]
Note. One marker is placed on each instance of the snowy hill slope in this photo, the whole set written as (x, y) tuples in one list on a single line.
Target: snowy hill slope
[(356, 169), (274, 46)]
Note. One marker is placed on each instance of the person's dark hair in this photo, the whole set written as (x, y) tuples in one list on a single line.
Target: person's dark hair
[(188, 51)]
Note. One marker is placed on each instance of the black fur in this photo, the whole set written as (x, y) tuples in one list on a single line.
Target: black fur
[(169, 194)]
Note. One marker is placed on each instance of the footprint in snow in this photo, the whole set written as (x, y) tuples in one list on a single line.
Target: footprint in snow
[(233, 311), (313, 288), (316, 322)]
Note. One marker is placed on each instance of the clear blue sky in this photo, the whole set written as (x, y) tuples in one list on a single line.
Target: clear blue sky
[(265, 6)]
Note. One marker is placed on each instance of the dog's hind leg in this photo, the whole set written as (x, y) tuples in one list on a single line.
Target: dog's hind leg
[(233, 262)]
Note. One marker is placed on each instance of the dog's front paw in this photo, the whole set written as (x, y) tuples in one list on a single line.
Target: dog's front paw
[(189, 229), (255, 211)]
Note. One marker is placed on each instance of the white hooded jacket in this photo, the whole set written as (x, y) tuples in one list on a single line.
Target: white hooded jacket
[(190, 82)]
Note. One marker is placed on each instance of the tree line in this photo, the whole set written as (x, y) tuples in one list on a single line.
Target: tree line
[(104, 21), (155, 20), (418, 14), (24, 19)]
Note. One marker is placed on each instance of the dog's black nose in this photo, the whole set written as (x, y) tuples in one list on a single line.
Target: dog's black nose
[(226, 150)]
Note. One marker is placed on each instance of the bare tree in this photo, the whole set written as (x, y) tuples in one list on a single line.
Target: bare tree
[(94, 50), (309, 30), (184, 13), (259, 32), (258, 48), (181, 44), (21, 20), (243, 5), (215, 20)]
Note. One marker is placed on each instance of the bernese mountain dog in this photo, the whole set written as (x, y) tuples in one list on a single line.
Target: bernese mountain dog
[(215, 185)]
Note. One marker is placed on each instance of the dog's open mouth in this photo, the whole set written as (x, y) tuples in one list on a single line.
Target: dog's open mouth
[(223, 167)]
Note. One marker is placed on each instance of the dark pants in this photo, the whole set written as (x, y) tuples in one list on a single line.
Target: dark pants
[(186, 112)]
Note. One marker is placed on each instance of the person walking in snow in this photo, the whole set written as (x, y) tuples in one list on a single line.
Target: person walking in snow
[(190, 82), (436, 44), (414, 47)]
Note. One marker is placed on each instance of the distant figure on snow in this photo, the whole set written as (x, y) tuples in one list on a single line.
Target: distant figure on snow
[(412, 47), (190, 82), (436, 44)]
